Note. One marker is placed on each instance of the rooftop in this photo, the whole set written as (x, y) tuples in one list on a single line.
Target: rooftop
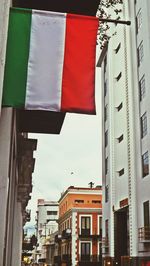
[(80, 189)]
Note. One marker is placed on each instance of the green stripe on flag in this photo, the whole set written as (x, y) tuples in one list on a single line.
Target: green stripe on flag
[(18, 43)]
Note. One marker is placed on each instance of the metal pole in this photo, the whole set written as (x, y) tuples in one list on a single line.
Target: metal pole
[(116, 21)]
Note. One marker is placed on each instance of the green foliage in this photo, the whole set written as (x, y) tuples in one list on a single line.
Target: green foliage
[(104, 12)]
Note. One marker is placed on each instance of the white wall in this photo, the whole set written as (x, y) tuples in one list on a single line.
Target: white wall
[(121, 155), (5, 144)]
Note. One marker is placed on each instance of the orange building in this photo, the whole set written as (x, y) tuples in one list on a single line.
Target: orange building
[(80, 223)]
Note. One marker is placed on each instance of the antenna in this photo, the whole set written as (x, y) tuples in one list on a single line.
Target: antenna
[(91, 184)]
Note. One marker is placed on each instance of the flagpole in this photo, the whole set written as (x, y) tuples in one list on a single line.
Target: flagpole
[(115, 21)]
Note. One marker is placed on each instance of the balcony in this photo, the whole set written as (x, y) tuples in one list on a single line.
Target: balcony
[(144, 234), (96, 235), (85, 233), (57, 259), (40, 121), (91, 260), (42, 260)]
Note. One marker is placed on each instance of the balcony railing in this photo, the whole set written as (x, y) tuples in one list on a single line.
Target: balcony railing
[(144, 234), (87, 233), (57, 259)]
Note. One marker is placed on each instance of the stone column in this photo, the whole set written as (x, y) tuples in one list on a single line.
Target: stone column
[(5, 144)]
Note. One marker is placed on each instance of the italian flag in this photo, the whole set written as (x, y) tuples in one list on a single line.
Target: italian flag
[(50, 61)]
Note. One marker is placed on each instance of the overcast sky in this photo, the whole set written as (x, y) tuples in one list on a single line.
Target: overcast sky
[(71, 158)]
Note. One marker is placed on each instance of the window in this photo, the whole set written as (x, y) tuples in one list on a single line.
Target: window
[(106, 228), (100, 250), (85, 225), (105, 112), (96, 201), (144, 125), (138, 20), (119, 107), (106, 166), (140, 52), (142, 87), (121, 172), (106, 193), (51, 212), (106, 138), (146, 213), (106, 236), (79, 201), (145, 164), (118, 48), (120, 138), (100, 225), (85, 251), (119, 76), (68, 226)]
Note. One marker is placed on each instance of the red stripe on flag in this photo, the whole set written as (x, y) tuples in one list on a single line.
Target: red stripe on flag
[(78, 83)]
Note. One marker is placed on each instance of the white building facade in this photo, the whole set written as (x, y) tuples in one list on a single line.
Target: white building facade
[(47, 216), (126, 137)]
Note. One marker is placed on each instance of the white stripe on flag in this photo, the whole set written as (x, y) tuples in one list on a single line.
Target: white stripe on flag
[(45, 66)]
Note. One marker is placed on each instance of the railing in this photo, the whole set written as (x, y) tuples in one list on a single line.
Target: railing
[(57, 259), (87, 233), (42, 260), (144, 234)]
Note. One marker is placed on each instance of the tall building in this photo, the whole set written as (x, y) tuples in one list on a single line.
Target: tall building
[(79, 233), (47, 216), (126, 136)]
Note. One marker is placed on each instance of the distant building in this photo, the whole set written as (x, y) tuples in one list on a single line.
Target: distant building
[(80, 219), (47, 216)]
